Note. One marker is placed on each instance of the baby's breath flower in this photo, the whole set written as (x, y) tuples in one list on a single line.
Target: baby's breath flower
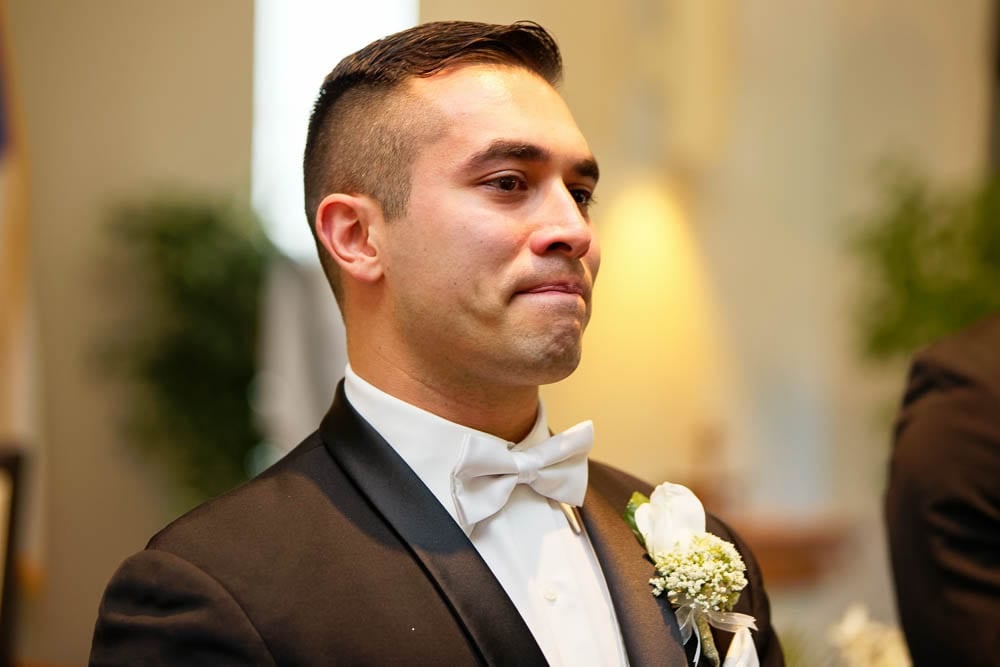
[(706, 572)]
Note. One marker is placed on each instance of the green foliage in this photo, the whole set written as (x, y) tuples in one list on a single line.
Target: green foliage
[(633, 504), (931, 262), (199, 266)]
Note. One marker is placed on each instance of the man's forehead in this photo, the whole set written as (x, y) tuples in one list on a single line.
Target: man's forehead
[(466, 88), (500, 111)]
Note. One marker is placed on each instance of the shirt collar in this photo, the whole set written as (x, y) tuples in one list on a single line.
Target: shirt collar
[(429, 444)]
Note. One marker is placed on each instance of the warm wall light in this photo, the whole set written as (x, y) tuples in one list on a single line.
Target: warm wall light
[(654, 374)]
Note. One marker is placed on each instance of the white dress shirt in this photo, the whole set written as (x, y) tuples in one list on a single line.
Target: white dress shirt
[(549, 572)]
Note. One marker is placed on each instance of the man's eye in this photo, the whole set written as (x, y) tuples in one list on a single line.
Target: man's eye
[(507, 183), (582, 197)]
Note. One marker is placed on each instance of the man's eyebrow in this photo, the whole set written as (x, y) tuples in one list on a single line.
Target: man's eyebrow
[(588, 168), (517, 150)]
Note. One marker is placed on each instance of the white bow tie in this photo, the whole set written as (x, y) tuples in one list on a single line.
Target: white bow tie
[(487, 472)]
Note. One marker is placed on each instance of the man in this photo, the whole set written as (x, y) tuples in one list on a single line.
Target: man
[(942, 507), (449, 190)]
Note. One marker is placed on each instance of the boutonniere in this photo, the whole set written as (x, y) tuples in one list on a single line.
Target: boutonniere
[(701, 574)]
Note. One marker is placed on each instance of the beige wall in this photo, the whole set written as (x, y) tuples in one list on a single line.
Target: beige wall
[(122, 95), (119, 97)]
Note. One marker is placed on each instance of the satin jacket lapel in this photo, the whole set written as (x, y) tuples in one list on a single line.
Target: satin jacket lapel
[(648, 625), (479, 602)]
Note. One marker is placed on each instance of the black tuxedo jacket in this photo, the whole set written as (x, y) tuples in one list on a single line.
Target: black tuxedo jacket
[(942, 506), (339, 554)]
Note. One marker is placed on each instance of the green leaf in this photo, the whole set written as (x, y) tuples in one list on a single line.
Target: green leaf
[(193, 266), (930, 257), (630, 507)]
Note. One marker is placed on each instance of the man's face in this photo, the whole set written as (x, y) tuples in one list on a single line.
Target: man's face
[(489, 272)]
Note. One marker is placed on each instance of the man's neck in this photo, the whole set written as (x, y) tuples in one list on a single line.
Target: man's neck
[(507, 413)]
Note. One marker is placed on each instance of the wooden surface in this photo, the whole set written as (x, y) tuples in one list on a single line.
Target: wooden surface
[(793, 551)]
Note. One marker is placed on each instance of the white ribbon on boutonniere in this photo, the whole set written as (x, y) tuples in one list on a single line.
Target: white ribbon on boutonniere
[(701, 573)]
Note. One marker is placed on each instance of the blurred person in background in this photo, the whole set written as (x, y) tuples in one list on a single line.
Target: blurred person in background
[(942, 507)]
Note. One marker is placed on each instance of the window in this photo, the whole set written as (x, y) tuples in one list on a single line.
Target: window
[(296, 43)]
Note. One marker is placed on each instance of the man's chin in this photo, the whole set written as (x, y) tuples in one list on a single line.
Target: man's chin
[(559, 376), (540, 351), (556, 362)]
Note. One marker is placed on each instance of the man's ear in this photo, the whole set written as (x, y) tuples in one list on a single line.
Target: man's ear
[(345, 226)]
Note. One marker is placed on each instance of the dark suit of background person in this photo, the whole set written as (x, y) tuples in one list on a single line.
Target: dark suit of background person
[(458, 305), (943, 502)]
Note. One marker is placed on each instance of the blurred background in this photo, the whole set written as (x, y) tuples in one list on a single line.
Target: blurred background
[(166, 331)]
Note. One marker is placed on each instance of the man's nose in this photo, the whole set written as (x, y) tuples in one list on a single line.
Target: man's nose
[(563, 228)]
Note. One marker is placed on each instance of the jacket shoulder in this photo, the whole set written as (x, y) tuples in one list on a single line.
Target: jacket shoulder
[(159, 609), (253, 505), (968, 357), (301, 559)]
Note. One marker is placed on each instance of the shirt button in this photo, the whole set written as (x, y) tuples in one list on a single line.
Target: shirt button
[(550, 594)]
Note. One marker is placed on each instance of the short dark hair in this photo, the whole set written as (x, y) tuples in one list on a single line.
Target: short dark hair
[(363, 135)]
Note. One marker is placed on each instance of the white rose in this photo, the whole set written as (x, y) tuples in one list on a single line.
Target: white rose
[(672, 515)]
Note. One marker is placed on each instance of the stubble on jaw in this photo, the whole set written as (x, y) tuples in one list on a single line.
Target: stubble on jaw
[(541, 350), (506, 365), (552, 356)]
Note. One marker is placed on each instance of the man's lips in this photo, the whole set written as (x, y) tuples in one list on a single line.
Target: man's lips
[(574, 287)]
